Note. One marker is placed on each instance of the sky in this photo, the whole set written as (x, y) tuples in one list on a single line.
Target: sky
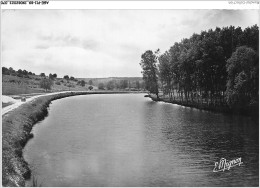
[(102, 43)]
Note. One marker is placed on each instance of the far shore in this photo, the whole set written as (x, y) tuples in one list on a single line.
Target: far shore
[(13, 101), (18, 120)]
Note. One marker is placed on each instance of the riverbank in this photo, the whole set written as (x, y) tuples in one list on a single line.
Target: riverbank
[(16, 131), (253, 112)]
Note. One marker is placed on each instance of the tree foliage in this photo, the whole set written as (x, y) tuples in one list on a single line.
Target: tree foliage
[(46, 84), (42, 74), (150, 71), (101, 86), (20, 73), (51, 76), (66, 77), (90, 82), (82, 83), (137, 84), (110, 85), (216, 67), (242, 83), (123, 84), (5, 71)]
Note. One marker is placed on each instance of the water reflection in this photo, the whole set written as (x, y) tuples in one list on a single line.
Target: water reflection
[(129, 140)]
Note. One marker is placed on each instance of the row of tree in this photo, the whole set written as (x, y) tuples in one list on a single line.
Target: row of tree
[(19, 73), (215, 67), (122, 84), (51, 76), (24, 73)]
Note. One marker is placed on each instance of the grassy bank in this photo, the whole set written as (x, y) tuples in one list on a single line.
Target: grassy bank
[(6, 104), (16, 131), (14, 85)]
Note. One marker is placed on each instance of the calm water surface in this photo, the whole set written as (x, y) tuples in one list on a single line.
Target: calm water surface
[(129, 140)]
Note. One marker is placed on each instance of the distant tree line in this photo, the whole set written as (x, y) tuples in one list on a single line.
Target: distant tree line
[(24, 73), (121, 85), (217, 67), (19, 73)]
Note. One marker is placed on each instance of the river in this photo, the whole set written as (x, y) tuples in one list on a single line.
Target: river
[(128, 140)]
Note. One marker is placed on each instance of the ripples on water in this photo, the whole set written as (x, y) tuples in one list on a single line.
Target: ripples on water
[(129, 140)]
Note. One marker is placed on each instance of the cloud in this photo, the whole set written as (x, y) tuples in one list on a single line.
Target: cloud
[(101, 43), (47, 41)]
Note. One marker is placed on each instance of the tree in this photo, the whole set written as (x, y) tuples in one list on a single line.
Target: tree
[(82, 83), (90, 87), (51, 76), (165, 73), (150, 71), (90, 82), (243, 73), (117, 84), (72, 78), (215, 67), (25, 72), (42, 74), (5, 71), (251, 37), (211, 64), (110, 85), (20, 73), (46, 84), (123, 84), (54, 75), (66, 77), (101, 86), (11, 71), (137, 84)]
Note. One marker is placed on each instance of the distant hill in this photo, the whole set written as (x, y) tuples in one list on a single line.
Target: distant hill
[(105, 80), (14, 85), (131, 82), (24, 82)]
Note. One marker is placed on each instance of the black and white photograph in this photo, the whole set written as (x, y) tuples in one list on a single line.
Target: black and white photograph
[(144, 94)]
